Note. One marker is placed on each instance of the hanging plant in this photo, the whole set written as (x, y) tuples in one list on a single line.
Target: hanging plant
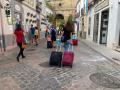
[(51, 17)]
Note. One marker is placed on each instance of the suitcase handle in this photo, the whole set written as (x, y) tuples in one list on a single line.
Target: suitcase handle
[(70, 46), (59, 48)]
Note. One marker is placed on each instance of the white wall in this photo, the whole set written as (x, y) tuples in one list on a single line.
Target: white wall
[(8, 29), (91, 14), (118, 27), (113, 19), (31, 11)]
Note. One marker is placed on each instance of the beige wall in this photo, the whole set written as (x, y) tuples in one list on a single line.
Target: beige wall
[(30, 3), (67, 7), (31, 11)]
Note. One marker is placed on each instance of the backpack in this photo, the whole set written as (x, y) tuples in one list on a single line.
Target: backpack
[(63, 39)]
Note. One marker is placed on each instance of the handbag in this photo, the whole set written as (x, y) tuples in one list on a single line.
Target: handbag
[(24, 45)]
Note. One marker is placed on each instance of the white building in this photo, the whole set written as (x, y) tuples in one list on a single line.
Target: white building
[(77, 17), (1, 28), (104, 20), (8, 16), (30, 14), (44, 22), (90, 19), (12, 12)]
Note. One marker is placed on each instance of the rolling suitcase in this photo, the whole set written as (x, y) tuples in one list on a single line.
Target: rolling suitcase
[(75, 42), (49, 44), (55, 58), (68, 57)]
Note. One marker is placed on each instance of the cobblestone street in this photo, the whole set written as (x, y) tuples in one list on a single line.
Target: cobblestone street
[(90, 71)]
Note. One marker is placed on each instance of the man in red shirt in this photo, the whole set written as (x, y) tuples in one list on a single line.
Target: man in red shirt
[(19, 33)]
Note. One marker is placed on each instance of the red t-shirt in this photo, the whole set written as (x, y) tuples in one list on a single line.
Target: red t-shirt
[(19, 35)]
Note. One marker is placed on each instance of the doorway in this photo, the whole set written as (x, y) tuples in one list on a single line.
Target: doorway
[(1, 32), (119, 38), (104, 27), (96, 25)]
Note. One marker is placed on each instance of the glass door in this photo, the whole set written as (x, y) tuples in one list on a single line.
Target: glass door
[(104, 27)]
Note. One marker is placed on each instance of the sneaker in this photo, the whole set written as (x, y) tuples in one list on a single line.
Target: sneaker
[(17, 59), (23, 57)]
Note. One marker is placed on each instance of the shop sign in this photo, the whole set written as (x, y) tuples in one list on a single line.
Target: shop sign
[(101, 5)]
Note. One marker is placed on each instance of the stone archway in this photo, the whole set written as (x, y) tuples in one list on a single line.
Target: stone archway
[(59, 16), (59, 19)]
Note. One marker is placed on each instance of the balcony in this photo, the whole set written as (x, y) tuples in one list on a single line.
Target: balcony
[(96, 1), (38, 7)]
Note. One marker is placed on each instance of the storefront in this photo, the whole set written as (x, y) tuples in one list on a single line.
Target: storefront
[(101, 21), (104, 26), (96, 27)]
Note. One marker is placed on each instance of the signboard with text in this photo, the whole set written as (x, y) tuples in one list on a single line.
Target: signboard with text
[(101, 5)]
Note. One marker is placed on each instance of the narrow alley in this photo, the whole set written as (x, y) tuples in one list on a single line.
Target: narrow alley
[(90, 71)]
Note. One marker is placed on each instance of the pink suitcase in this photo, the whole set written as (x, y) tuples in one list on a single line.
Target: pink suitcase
[(68, 57)]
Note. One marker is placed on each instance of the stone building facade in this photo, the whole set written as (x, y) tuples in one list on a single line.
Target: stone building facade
[(64, 7)]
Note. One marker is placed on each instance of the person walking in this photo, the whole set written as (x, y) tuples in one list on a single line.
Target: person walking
[(36, 35), (53, 35), (46, 32), (19, 34), (67, 37), (32, 31)]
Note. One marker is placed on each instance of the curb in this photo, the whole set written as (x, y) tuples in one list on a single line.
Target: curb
[(112, 60)]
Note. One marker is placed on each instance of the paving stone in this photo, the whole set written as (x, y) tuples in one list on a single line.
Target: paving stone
[(34, 73)]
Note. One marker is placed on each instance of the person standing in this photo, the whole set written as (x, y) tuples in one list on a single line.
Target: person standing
[(67, 37), (19, 34), (32, 30), (46, 32), (53, 35), (36, 35)]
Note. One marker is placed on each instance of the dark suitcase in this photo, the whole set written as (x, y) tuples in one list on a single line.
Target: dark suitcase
[(55, 58), (49, 44)]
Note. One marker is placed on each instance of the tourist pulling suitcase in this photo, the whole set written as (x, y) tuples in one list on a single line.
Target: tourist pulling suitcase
[(56, 58), (68, 57)]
